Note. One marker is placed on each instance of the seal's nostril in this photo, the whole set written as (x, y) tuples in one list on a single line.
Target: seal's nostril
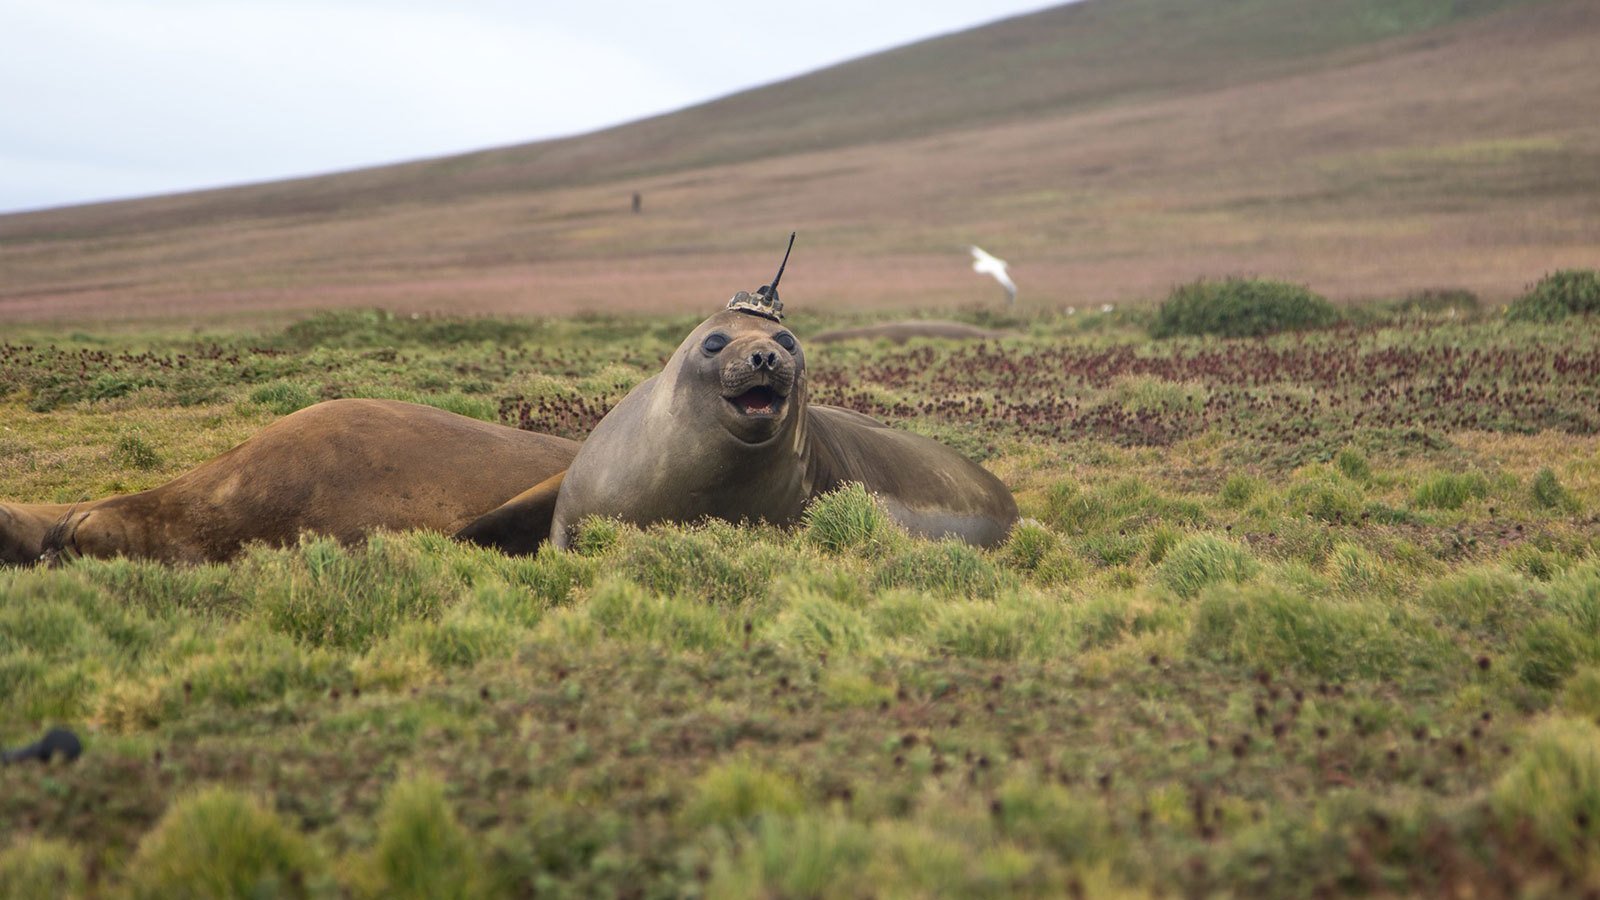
[(755, 360), (772, 359)]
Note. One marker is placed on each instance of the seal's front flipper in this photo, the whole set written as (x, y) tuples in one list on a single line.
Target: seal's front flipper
[(518, 526)]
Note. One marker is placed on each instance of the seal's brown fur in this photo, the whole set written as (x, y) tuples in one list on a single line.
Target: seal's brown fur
[(341, 468)]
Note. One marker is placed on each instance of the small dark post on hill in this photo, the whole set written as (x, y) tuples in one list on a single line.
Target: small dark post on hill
[(638, 201)]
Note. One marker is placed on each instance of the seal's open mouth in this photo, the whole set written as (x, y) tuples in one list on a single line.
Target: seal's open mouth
[(758, 401)]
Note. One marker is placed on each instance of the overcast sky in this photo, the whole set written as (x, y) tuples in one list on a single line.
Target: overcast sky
[(103, 99)]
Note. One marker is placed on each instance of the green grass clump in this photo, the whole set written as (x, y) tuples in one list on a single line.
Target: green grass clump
[(1450, 490), (218, 844), (1548, 651), (597, 534), (1580, 696), (816, 624), (1029, 545), (1239, 489), (948, 568), (793, 856), (32, 867), (851, 520), (1139, 393), (988, 630), (1268, 627), (622, 610), (1478, 599), (1357, 570), (283, 397), (1540, 565), (1568, 292), (1120, 506), (1203, 559), (1241, 307), (1325, 494), (350, 597), (738, 791), (1547, 492), (1554, 785), (1353, 465), (423, 852), (134, 452), (704, 562), (247, 666), (1568, 635), (1575, 596)]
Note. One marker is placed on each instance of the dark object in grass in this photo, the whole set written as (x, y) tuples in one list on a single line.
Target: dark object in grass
[(56, 742)]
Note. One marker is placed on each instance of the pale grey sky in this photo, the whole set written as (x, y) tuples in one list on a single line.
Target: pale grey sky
[(103, 99)]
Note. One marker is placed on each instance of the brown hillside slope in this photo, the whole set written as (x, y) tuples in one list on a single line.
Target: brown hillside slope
[(1108, 150)]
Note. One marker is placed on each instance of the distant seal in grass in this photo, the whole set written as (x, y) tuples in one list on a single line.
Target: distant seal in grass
[(341, 468), (725, 431), (900, 332)]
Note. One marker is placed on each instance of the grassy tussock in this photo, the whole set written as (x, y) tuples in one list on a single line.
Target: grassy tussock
[(1558, 296), (850, 520), (1477, 601), (1205, 559), (1241, 307), (422, 851), (219, 843), (736, 793), (1450, 490), (32, 867), (1279, 630), (1554, 785)]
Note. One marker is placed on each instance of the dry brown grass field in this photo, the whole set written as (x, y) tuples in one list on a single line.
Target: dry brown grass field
[(1108, 150)]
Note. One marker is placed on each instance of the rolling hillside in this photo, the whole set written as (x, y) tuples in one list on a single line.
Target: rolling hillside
[(1108, 149)]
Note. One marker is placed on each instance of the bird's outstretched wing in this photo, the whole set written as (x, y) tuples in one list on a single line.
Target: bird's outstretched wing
[(986, 264), (1010, 286)]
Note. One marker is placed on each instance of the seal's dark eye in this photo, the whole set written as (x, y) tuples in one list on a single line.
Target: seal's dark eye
[(715, 342), (785, 340)]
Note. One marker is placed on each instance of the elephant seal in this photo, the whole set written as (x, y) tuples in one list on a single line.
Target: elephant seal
[(725, 431), (341, 468), (900, 332)]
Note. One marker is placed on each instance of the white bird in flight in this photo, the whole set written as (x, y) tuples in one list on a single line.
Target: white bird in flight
[(984, 264)]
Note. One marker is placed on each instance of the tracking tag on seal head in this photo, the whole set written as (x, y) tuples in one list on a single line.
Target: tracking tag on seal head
[(764, 302)]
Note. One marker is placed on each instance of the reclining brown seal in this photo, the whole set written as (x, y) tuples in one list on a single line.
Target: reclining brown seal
[(341, 468), (725, 431)]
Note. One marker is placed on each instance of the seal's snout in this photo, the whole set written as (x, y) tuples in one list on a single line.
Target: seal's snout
[(764, 360)]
